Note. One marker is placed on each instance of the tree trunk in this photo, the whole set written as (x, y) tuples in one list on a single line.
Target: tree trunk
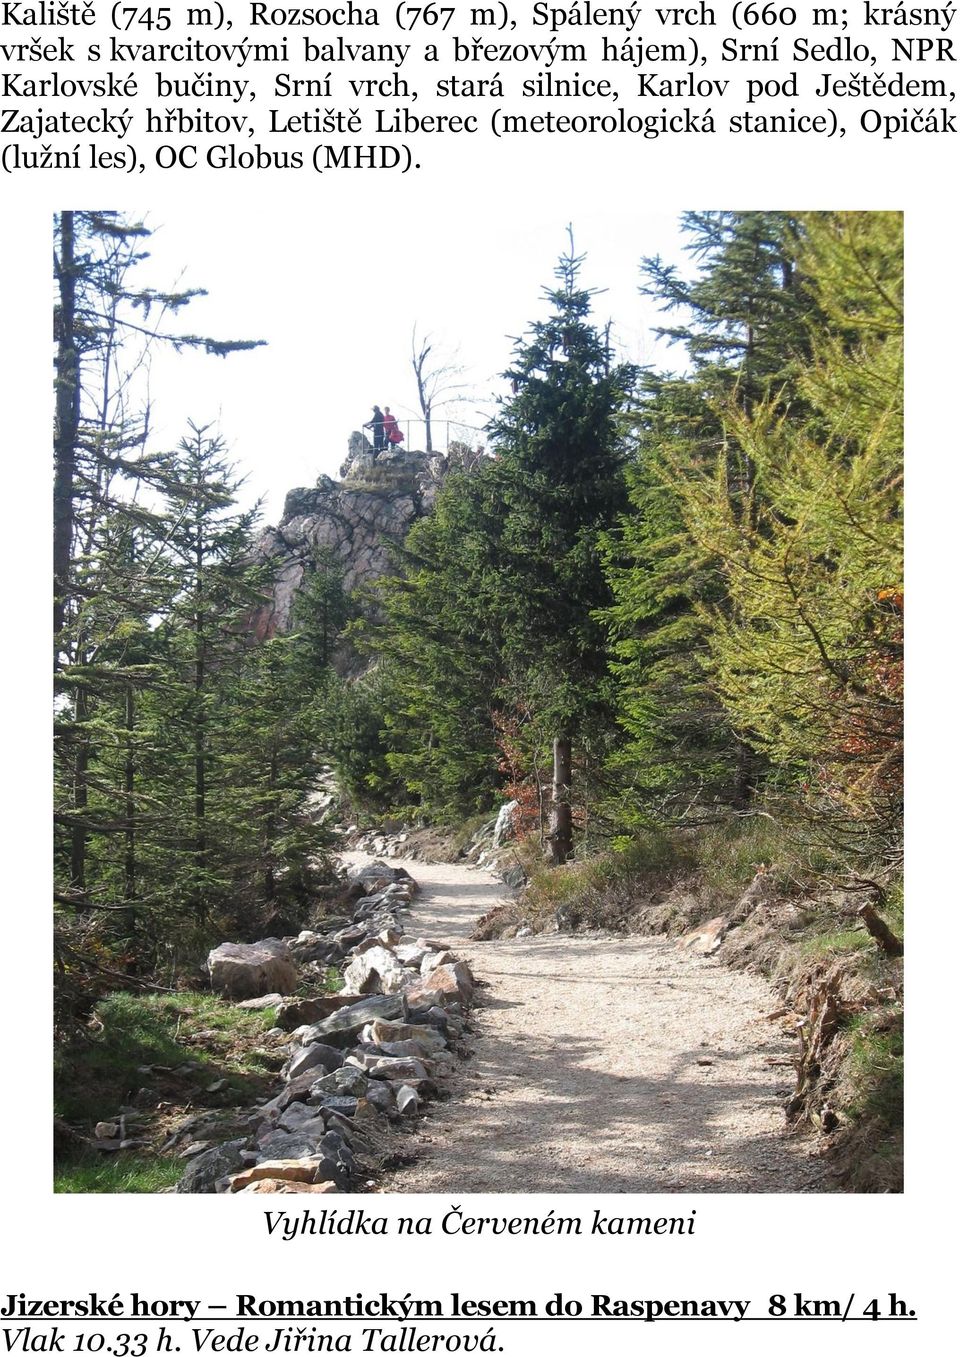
[(199, 732), (743, 777), (130, 833), (269, 879), (560, 837), (67, 424), (78, 834)]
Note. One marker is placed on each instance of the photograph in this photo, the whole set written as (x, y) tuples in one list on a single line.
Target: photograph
[(478, 703)]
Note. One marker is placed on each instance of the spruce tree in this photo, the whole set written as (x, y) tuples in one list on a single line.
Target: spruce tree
[(742, 320), (560, 460), (206, 631)]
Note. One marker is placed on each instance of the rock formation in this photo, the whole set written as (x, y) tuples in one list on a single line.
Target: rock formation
[(354, 520)]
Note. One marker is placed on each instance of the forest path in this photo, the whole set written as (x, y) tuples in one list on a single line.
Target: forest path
[(602, 1064)]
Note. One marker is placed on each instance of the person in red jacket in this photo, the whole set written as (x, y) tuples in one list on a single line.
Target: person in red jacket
[(391, 428)]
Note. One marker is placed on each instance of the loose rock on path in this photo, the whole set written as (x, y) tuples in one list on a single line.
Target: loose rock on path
[(603, 1065)]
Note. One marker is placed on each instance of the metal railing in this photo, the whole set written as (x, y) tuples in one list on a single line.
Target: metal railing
[(443, 433)]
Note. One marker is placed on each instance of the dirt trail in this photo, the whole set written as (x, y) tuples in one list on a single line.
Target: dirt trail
[(603, 1065)]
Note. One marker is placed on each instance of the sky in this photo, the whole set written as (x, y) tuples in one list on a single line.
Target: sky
[(337, 299)]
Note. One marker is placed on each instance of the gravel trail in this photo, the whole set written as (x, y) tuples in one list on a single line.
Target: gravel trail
[(602, 1064)]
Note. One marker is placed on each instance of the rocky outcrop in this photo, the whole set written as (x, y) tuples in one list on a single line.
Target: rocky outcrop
[(352, 521)]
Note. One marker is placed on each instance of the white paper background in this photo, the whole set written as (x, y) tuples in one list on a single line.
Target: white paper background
[(750, 1247)]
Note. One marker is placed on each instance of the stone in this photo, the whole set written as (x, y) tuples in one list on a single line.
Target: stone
[(311, 1057), (380, 1095), (281, 1170), (355, 520), (706, 937), (416, 1049), (344, 1107), (295, 1116), (279, 1185), (296, 1091), (342, 1027), (194, 1148), (212, 1167), (448, 1024), (408, 1101), (445, 984), (297, 1144), (310, 946), (348, 1080), (434, 959), (376, 971), (503, 828), (246, 970), (392, 1067), (348, 938), (379, 1032), (262, 1001), (106, 1130), (293, 1013), (410, 954), (514, 876)]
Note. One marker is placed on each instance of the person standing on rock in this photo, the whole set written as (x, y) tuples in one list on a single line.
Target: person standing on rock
[(392, 434), (376, 424)]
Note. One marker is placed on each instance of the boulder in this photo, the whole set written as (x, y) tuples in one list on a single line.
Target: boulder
[(280, 1185), (261, 1002), (348, 1081), (503, 828), (212, 1167), (278, 1170), (336, 1105), (309, 946), (379, 1032), (342, 1027), (446, 984), (293, 1013), (381, 1096), (408, 1101), (298, 1144), (434, 959), (397, 1067), (707, 937), (375, 971), (417, 1049), (410, 954), (311, 1058), (297, 1115), (246, 970)]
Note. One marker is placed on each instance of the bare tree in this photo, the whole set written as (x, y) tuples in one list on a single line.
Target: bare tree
[(437, 379)]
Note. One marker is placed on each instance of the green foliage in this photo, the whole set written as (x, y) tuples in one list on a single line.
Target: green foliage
[(875, 1071), (490, 617), (806, 653), (742, 323), (101, 1068), (117, 1173)]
